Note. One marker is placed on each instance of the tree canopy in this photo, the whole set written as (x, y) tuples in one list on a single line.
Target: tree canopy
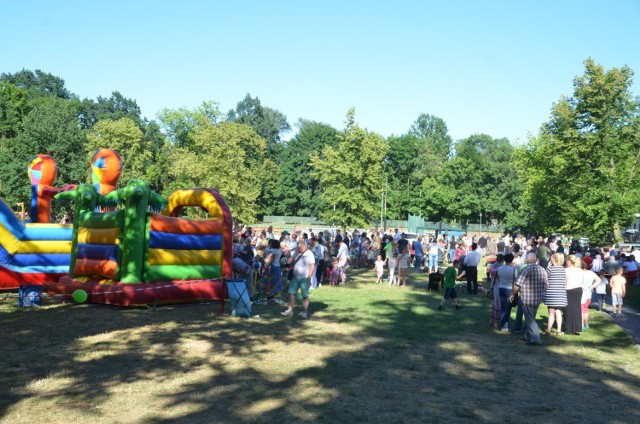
[(577, 174), (583, 166)]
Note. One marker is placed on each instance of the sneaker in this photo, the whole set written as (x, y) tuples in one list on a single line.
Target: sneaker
[(458, 306), (287, 313), (586, 326), (439, 307), (303, 315)]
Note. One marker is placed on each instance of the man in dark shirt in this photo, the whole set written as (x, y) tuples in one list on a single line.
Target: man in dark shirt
[(346, 240), (403, 242), (337, 240), (482, 244), (246, 251)]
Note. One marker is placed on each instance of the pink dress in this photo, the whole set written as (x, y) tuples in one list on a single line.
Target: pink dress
[(379, 268)]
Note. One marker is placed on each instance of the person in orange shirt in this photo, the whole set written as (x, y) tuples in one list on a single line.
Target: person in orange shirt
[(618, 291)]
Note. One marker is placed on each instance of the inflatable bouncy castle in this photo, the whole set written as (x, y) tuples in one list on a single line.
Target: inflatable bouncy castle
[(126, 246), (138, 256)]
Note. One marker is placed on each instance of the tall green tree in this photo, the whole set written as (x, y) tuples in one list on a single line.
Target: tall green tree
[(414, 166), (228, 157), (179, 124), (269, 123), (402, 181), (38, 83), (585, 162), (14, 107), (51, 127), (350, 175), (296, 192), (483, 174), (158, 166), (434, 134), (114, 107)]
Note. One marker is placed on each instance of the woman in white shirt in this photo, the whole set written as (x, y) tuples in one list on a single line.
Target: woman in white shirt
[(575, 277)]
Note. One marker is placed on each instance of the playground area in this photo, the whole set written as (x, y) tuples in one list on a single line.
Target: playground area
[(368, 353)]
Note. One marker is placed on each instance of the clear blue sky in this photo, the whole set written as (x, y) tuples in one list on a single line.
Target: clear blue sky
[(491, 67)]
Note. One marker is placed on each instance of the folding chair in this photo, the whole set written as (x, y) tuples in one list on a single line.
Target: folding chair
[(238, 297)]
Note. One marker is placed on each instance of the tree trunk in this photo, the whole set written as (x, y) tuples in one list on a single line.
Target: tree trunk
[(617, 234)]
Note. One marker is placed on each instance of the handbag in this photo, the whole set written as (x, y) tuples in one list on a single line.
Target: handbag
[(514, 302)]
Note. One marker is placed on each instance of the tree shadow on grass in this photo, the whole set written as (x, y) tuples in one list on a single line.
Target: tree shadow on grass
[(403, 362)]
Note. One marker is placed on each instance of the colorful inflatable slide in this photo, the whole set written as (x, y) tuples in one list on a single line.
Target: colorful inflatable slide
[(31, 253), (124, 247), (39, 251)]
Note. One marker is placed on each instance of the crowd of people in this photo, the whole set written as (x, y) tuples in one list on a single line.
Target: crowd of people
[(563, 276), (571, 271)]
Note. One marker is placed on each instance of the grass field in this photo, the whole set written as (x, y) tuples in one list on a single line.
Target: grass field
[(369, 353)]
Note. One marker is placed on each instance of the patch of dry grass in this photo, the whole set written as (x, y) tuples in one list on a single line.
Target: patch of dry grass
[(369, 353)]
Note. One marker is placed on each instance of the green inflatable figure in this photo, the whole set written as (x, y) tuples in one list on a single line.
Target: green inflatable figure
[(137, 197), (85, 199)]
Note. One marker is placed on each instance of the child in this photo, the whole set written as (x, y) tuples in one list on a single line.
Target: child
[(379, 269), (450, 277), (334, 272), (601, 290), (403, 264), (618, 291), (257, 272), (590, 281)]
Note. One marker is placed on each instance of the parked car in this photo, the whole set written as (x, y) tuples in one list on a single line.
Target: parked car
[(584, 242), (630, 236)]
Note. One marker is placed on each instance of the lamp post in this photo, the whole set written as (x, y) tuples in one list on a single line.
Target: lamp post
[(480, 222)]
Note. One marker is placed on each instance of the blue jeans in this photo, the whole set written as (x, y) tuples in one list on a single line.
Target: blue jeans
[(505, 308), (517, 326), (418, 263), (531, 329), (433, 261)]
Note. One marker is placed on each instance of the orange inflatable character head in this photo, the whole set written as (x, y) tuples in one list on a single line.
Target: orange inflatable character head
[(42, 172), (106, 166)]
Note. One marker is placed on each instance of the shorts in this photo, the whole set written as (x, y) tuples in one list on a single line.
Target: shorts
[(450, 293), (584, 307), (300, 283), (616, 298)]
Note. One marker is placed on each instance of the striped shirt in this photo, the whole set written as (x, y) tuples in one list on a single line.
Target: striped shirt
[(533, 283)]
